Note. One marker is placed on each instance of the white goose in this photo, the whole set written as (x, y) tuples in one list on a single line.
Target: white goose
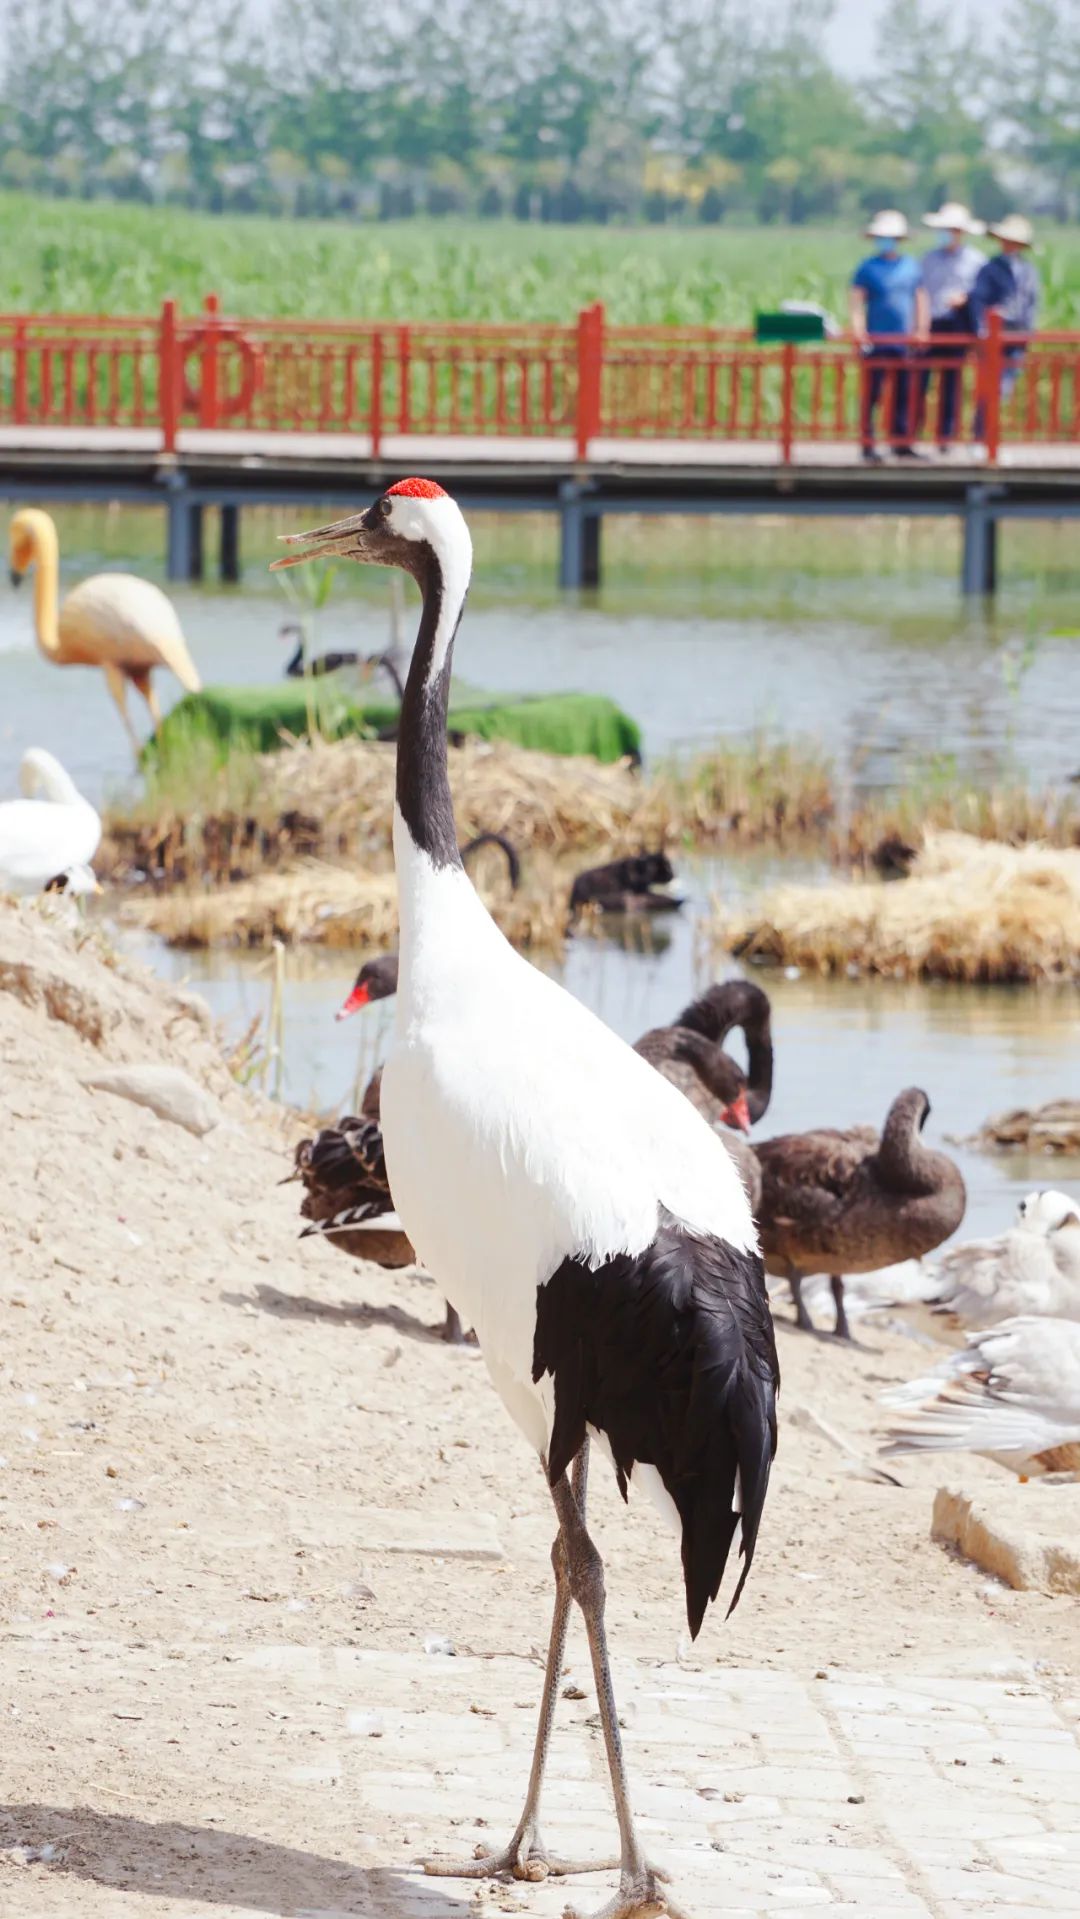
[(50, 834), (1012, 1392), (571, 1203)]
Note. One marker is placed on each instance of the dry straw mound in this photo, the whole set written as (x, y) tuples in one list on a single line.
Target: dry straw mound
[(334, 801), (971, 910), (343, 906)]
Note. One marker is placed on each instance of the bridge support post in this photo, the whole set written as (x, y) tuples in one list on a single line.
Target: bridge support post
[(229, 549), (184, 551), (979, 572), (579, 539)]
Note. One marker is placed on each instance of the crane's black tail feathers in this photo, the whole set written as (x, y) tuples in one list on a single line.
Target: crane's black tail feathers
[(670, 1354)]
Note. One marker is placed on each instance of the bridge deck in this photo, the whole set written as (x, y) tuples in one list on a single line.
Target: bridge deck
[(29, 447), (231, 469)]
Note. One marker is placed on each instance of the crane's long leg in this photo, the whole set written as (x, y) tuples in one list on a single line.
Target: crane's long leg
[(526, 1856), (641, 1891)]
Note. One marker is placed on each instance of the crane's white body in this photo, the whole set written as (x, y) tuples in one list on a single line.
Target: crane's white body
[(44, 837), (1012, 1392), (518, 1129)]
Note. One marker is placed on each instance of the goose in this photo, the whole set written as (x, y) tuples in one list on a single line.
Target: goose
[(841, 1202), (116, 621), (378, 978), (51, 834), (626, 886), (573, 1206), (691, 1054), (1012, 1392)]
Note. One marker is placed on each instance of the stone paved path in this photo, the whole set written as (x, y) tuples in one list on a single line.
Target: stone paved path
[(763, 1794)]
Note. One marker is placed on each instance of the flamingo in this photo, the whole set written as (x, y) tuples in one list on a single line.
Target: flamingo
[(571, 1203), (116, 621)]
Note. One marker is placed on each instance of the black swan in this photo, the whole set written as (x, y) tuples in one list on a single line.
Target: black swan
[(851, 1202), (625, 886)]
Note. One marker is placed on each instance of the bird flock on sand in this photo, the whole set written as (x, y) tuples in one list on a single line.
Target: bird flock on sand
[(597, 1215)]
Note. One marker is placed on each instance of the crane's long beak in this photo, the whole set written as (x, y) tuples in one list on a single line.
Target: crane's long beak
[(351, 537)]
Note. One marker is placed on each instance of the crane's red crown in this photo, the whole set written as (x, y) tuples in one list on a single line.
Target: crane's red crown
[(418, 490)]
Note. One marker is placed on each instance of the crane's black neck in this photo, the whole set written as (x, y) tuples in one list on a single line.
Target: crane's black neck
[(423, 784)]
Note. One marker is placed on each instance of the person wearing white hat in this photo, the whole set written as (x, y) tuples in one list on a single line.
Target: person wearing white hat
[(888, 306), (1008, 284), (949, 272)]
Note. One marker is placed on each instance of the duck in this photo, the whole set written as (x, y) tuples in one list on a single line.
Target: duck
[(691, 1054), (51, 834), (123, 624), (855, 1201), (572, 1204), (626, 886), (347, 1198), (1012, 1393)]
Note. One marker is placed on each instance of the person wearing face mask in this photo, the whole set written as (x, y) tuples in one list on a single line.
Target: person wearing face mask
[(949, 272), (1009, 285), (889, 308)]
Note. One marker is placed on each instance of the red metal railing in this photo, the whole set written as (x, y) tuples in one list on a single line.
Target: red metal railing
[(583, 384)]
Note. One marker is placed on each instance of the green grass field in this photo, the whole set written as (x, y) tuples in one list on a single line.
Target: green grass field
[(100, 257)]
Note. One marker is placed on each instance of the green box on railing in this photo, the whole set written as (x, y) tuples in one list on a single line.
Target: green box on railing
[(772, 329)]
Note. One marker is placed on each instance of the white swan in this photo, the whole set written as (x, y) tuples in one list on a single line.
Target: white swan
[(50, 833), (1012, 1392)]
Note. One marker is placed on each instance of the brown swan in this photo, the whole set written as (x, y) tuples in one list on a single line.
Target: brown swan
[(851, 1202), (347, 1194), (691, 1053)]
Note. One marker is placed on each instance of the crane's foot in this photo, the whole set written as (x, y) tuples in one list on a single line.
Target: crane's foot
[(641, 1894), (526, 1857)]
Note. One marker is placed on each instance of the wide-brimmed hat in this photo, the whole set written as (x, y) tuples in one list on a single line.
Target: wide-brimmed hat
[(1014, 227), (953, 217), (887, 225)]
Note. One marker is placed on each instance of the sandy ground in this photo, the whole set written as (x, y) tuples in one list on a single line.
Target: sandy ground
[(201, 1422)]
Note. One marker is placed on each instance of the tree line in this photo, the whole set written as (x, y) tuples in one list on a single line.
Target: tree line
[(622, 110)]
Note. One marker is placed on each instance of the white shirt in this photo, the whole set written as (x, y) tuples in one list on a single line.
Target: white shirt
[(946, 271)]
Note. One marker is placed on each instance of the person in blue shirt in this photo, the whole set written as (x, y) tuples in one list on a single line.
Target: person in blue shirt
[(1008, 284), (889, 312)]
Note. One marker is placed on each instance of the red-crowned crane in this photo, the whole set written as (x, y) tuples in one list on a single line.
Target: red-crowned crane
[(568, 1200)]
